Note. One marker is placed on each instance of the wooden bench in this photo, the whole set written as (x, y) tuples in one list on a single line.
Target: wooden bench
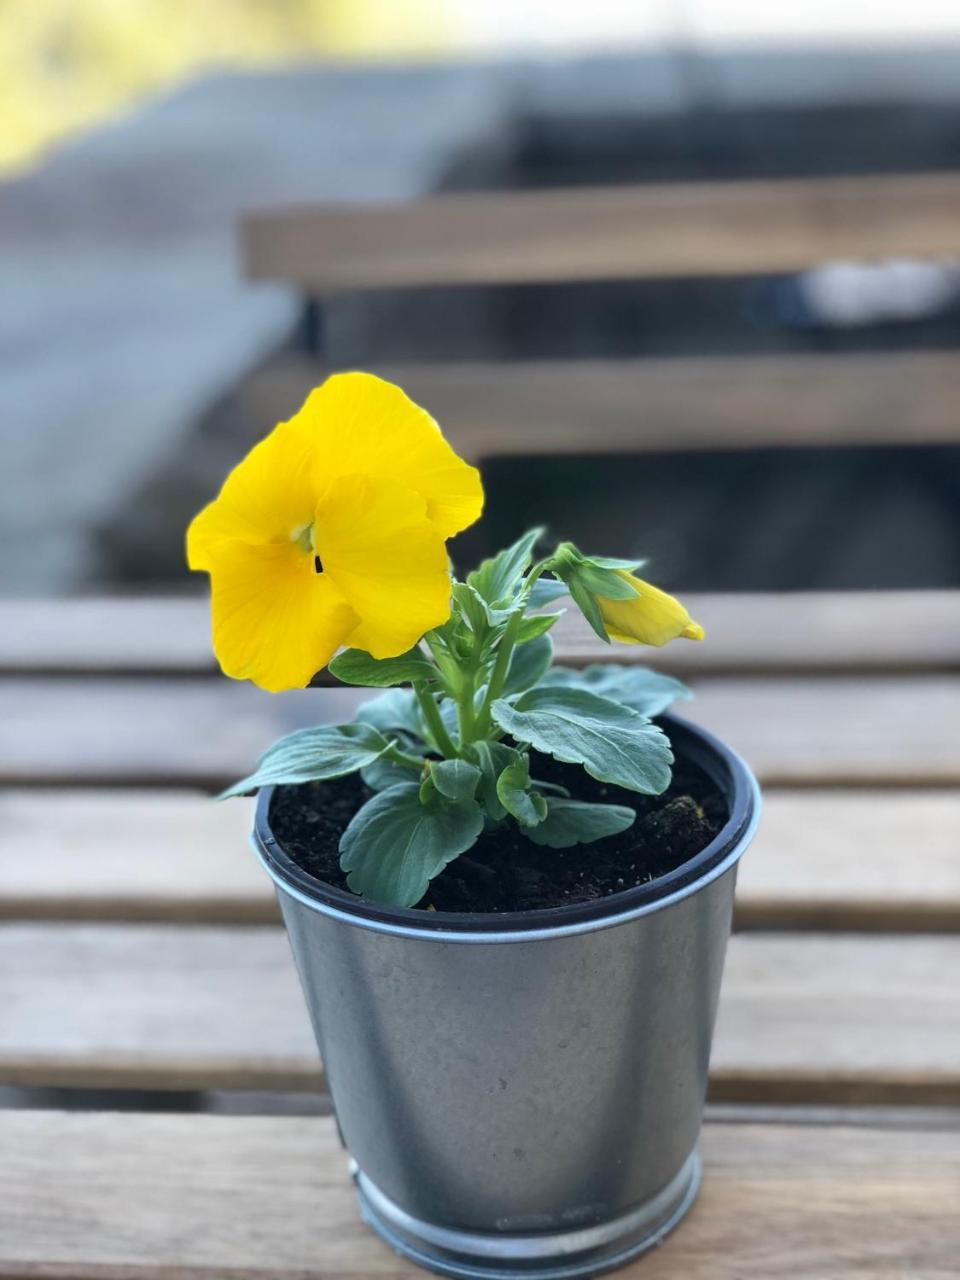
[(619, 233), (140, 950)]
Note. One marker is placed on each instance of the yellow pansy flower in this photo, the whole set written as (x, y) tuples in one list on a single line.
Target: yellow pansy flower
[(331, 532), (649, 617)]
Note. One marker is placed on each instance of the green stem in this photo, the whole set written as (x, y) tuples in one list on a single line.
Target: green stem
[(433, 722), (502, 665), (459, 684), (398, 756), (466, 715)]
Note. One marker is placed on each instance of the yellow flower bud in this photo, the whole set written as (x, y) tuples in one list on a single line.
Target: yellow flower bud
[(650, 617)]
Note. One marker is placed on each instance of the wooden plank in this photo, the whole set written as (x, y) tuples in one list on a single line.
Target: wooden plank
[(546, 408), (821, 859), (136, 1197), (130, 855), (858, 631), (806, 731), (804, 1017), (598, 233), (853, 860)]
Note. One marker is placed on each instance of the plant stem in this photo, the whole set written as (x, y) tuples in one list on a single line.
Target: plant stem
[(398, 756), (433, 722), (498, 676)]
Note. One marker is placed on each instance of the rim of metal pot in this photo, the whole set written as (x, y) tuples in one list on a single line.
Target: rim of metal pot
[(723, 766)]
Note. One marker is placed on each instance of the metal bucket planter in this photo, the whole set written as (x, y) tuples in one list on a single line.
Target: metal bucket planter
[(521, 1095)]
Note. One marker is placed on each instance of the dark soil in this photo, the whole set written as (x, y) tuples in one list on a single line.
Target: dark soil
[(506, 872)]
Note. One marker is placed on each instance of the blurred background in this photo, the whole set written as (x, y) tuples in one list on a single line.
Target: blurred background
[(749, 427)]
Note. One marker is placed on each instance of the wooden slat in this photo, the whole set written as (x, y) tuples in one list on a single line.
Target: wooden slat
[(546, 408), (853, 860), (826, 1018), (834, 859), (858, 631), (134, 1197), (733, 228), (130, 855), (809, 730)]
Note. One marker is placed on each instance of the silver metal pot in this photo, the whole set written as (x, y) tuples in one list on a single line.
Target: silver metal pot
[(521, 1095)]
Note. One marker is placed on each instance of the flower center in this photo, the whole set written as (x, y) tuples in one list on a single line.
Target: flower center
[(302, 535)]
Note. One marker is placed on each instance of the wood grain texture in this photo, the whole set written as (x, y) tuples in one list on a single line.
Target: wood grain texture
[(595, 233), (804, 631), (821, 859), (130, 855), (546, 408), (853, 860), (805, 731), (132, 1197), (803, 1017)]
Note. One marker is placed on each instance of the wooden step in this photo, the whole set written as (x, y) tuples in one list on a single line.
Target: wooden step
[(603, 233), (805, 731), (547, 408), (136, 1197), (866, 631), (829, 1018), (853, 860)]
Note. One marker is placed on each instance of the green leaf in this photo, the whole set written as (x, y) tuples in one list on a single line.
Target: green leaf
[(394, 845), (498, 578), (588, 607), (312, 755), (455, 779), (644, 690), (396, 709), (492, 758), (570, 822), (353, 666), (528, 663), (545, 591), (604, 582), (473, 607), (613, 743), (537, 624), (612, 562), (385, 773), (513, 792)]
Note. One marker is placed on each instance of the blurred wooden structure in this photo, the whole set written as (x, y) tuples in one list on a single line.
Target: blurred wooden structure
[(140, 950), (619, 233)]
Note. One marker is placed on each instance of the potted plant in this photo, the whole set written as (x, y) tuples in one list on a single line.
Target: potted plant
[(508, 885)]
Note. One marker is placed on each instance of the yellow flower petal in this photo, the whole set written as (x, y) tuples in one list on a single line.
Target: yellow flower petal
[(362, 425), (275, 621), (386, 559), (650, 617), (264, 499)]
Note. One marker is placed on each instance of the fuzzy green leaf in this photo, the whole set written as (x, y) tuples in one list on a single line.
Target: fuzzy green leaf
[(394, 845), (528, 664), (492, 758), (588, 606), (312, 755), (613, 743), (455, 779), (538, 624), (545, 591), (604, 582), (473, 607), (385, 773), (395, 709), (613, 562), (498, 578), (570, 822), (644, 690), (353, 666), (513, 792)]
